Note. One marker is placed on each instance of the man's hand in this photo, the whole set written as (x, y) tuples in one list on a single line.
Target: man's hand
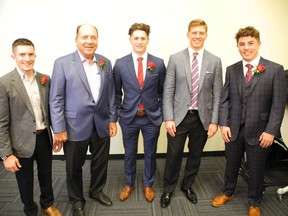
[(170, 127), (226, 133), (266, 140), (12, 164), (57, 146), (112, 129), (60, 138), (212, 130)]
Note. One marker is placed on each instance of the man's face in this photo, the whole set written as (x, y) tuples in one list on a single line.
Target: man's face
[(87, 41), (24, 56), (197, 36), (139, 41), (248, 48)]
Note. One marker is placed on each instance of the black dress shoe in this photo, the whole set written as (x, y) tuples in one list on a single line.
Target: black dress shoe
[(190, 195), (102, 198), (78, 212), (165, 199)]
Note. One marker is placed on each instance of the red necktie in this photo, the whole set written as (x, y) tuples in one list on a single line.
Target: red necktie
[(140, 79), (248, 75), (194, 81)]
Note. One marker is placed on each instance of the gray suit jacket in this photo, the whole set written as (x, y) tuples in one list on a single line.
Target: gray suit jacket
[(17, 120), (177, 88), (265, 101)]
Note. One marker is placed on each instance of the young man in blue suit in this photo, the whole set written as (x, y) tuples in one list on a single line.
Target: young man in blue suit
[(251, 112), (139, 77), (83, 115)]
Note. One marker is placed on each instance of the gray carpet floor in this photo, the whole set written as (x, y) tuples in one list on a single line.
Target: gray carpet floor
[(207, 185)]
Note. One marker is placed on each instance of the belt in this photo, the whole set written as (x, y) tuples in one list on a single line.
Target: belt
[(39, 131), (193, 111), (140, 113)]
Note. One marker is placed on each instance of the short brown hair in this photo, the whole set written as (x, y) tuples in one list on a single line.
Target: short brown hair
[(198, 22), (247, 31), (21, 42), (139, 26)]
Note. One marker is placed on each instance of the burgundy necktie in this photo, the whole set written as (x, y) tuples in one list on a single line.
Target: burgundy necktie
[(248, 75), (140, 79), (195, 81)]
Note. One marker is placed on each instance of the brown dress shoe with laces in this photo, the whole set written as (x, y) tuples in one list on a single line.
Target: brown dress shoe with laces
[(220, 200), (125, 193), (149, 194), (52, 211), (254, 211)]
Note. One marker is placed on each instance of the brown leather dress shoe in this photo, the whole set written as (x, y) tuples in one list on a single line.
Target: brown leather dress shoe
[(52, 211), (254, 211), (125, 193), (220, 200), (149, 194)]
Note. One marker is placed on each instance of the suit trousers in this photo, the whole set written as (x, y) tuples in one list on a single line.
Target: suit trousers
[(75, 154), (25, 176), (150, 134), (190, 127), (256, 160)]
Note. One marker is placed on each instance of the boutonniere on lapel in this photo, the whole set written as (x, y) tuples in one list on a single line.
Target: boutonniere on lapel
[(259, 69), (43, 80), (102, 63), (151, 66)]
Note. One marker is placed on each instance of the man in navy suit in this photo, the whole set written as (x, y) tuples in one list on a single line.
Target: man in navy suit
[(139, 76), (251, 112), (83, 114)]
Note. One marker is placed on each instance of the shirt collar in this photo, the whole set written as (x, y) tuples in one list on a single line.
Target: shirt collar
[(84, 59), (254, 62), (135, 56), (23, 75), (191, 51)]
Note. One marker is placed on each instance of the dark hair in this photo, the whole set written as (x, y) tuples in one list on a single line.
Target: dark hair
[(139, 26), (247, 31), (198, 22), (21, 42)]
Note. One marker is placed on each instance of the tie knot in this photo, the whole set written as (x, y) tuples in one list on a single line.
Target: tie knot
[(249, 66), (195, 55), (139, 59)]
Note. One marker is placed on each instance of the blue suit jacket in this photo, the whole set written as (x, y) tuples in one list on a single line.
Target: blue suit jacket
[(151, 95), (72, 106)]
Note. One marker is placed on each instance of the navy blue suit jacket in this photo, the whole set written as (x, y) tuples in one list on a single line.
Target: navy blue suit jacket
[(126, 84)]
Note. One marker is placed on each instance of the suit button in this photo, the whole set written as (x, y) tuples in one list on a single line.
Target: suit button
[(34, 132), (93, 101)]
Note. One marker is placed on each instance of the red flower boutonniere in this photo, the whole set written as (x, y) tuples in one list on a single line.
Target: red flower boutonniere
[(43, 80), (151, 66), (102, 63), (259, 69)]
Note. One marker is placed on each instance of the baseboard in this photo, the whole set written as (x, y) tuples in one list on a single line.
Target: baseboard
[(141, 156)]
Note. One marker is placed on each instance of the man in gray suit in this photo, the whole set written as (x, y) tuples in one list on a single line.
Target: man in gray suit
[(251, 112), (82, 106), (191, 100), (25, 133)]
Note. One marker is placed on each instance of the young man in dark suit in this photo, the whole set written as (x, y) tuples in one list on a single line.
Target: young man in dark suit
[(139, 76), (251, 112)]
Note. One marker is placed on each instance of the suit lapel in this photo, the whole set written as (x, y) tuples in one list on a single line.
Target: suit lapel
[(131, 70), (186, 60), (42, 92), (255, 78), (204, 66), (20, 88), (240, 76), (80, 70)]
